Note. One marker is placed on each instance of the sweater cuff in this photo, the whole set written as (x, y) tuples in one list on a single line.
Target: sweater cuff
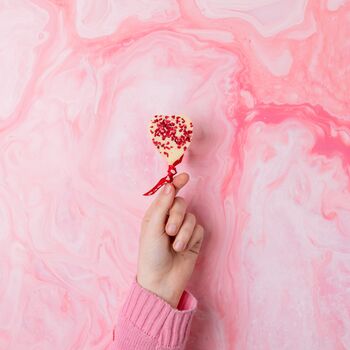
[(158, 319)]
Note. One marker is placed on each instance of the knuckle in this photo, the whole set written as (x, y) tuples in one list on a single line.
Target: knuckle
[(191, 217), (158, 203), (145, 223), (198, 234), (146, 219), (176, 212), (200, 229), (179, 204), (179, 208), (186, 232), (180, 200), (175, 216)]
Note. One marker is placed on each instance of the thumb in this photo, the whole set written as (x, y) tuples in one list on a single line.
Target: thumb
[(157, 214)]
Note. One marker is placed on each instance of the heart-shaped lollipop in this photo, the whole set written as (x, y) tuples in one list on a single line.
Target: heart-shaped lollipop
[(172, 136)]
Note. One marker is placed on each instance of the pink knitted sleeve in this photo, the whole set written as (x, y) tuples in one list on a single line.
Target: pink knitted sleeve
[(147, 322)]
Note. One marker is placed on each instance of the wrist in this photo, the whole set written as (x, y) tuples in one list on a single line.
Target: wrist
[(169, 295)]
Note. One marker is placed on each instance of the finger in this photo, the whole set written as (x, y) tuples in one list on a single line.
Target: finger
[(185, 233), (195, 243), (157, 214), (180, 181), (176, 216)]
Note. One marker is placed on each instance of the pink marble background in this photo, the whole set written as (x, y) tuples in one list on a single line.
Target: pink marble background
[(266, 83)]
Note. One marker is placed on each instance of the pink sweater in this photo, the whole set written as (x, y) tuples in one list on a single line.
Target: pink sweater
[(147, 322)]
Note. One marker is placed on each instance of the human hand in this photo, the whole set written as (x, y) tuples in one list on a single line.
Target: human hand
[(167, 255)]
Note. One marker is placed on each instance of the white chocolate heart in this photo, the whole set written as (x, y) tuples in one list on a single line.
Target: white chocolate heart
[(171, 135)]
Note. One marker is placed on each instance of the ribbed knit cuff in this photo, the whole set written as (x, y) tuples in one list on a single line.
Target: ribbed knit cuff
[(156, 318)]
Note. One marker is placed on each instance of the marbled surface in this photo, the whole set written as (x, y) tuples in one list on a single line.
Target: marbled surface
[(266, 83)]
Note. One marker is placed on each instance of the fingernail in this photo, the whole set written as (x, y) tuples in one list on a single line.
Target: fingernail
[(171, 228), (167, 188), (179, 246)]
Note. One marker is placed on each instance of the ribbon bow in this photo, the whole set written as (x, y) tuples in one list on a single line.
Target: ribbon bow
[(167, 179)]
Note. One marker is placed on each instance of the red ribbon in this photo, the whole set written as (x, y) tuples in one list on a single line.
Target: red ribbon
[(167, 179)]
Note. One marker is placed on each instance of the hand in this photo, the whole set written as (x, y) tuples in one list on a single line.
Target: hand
[(169, 244)]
